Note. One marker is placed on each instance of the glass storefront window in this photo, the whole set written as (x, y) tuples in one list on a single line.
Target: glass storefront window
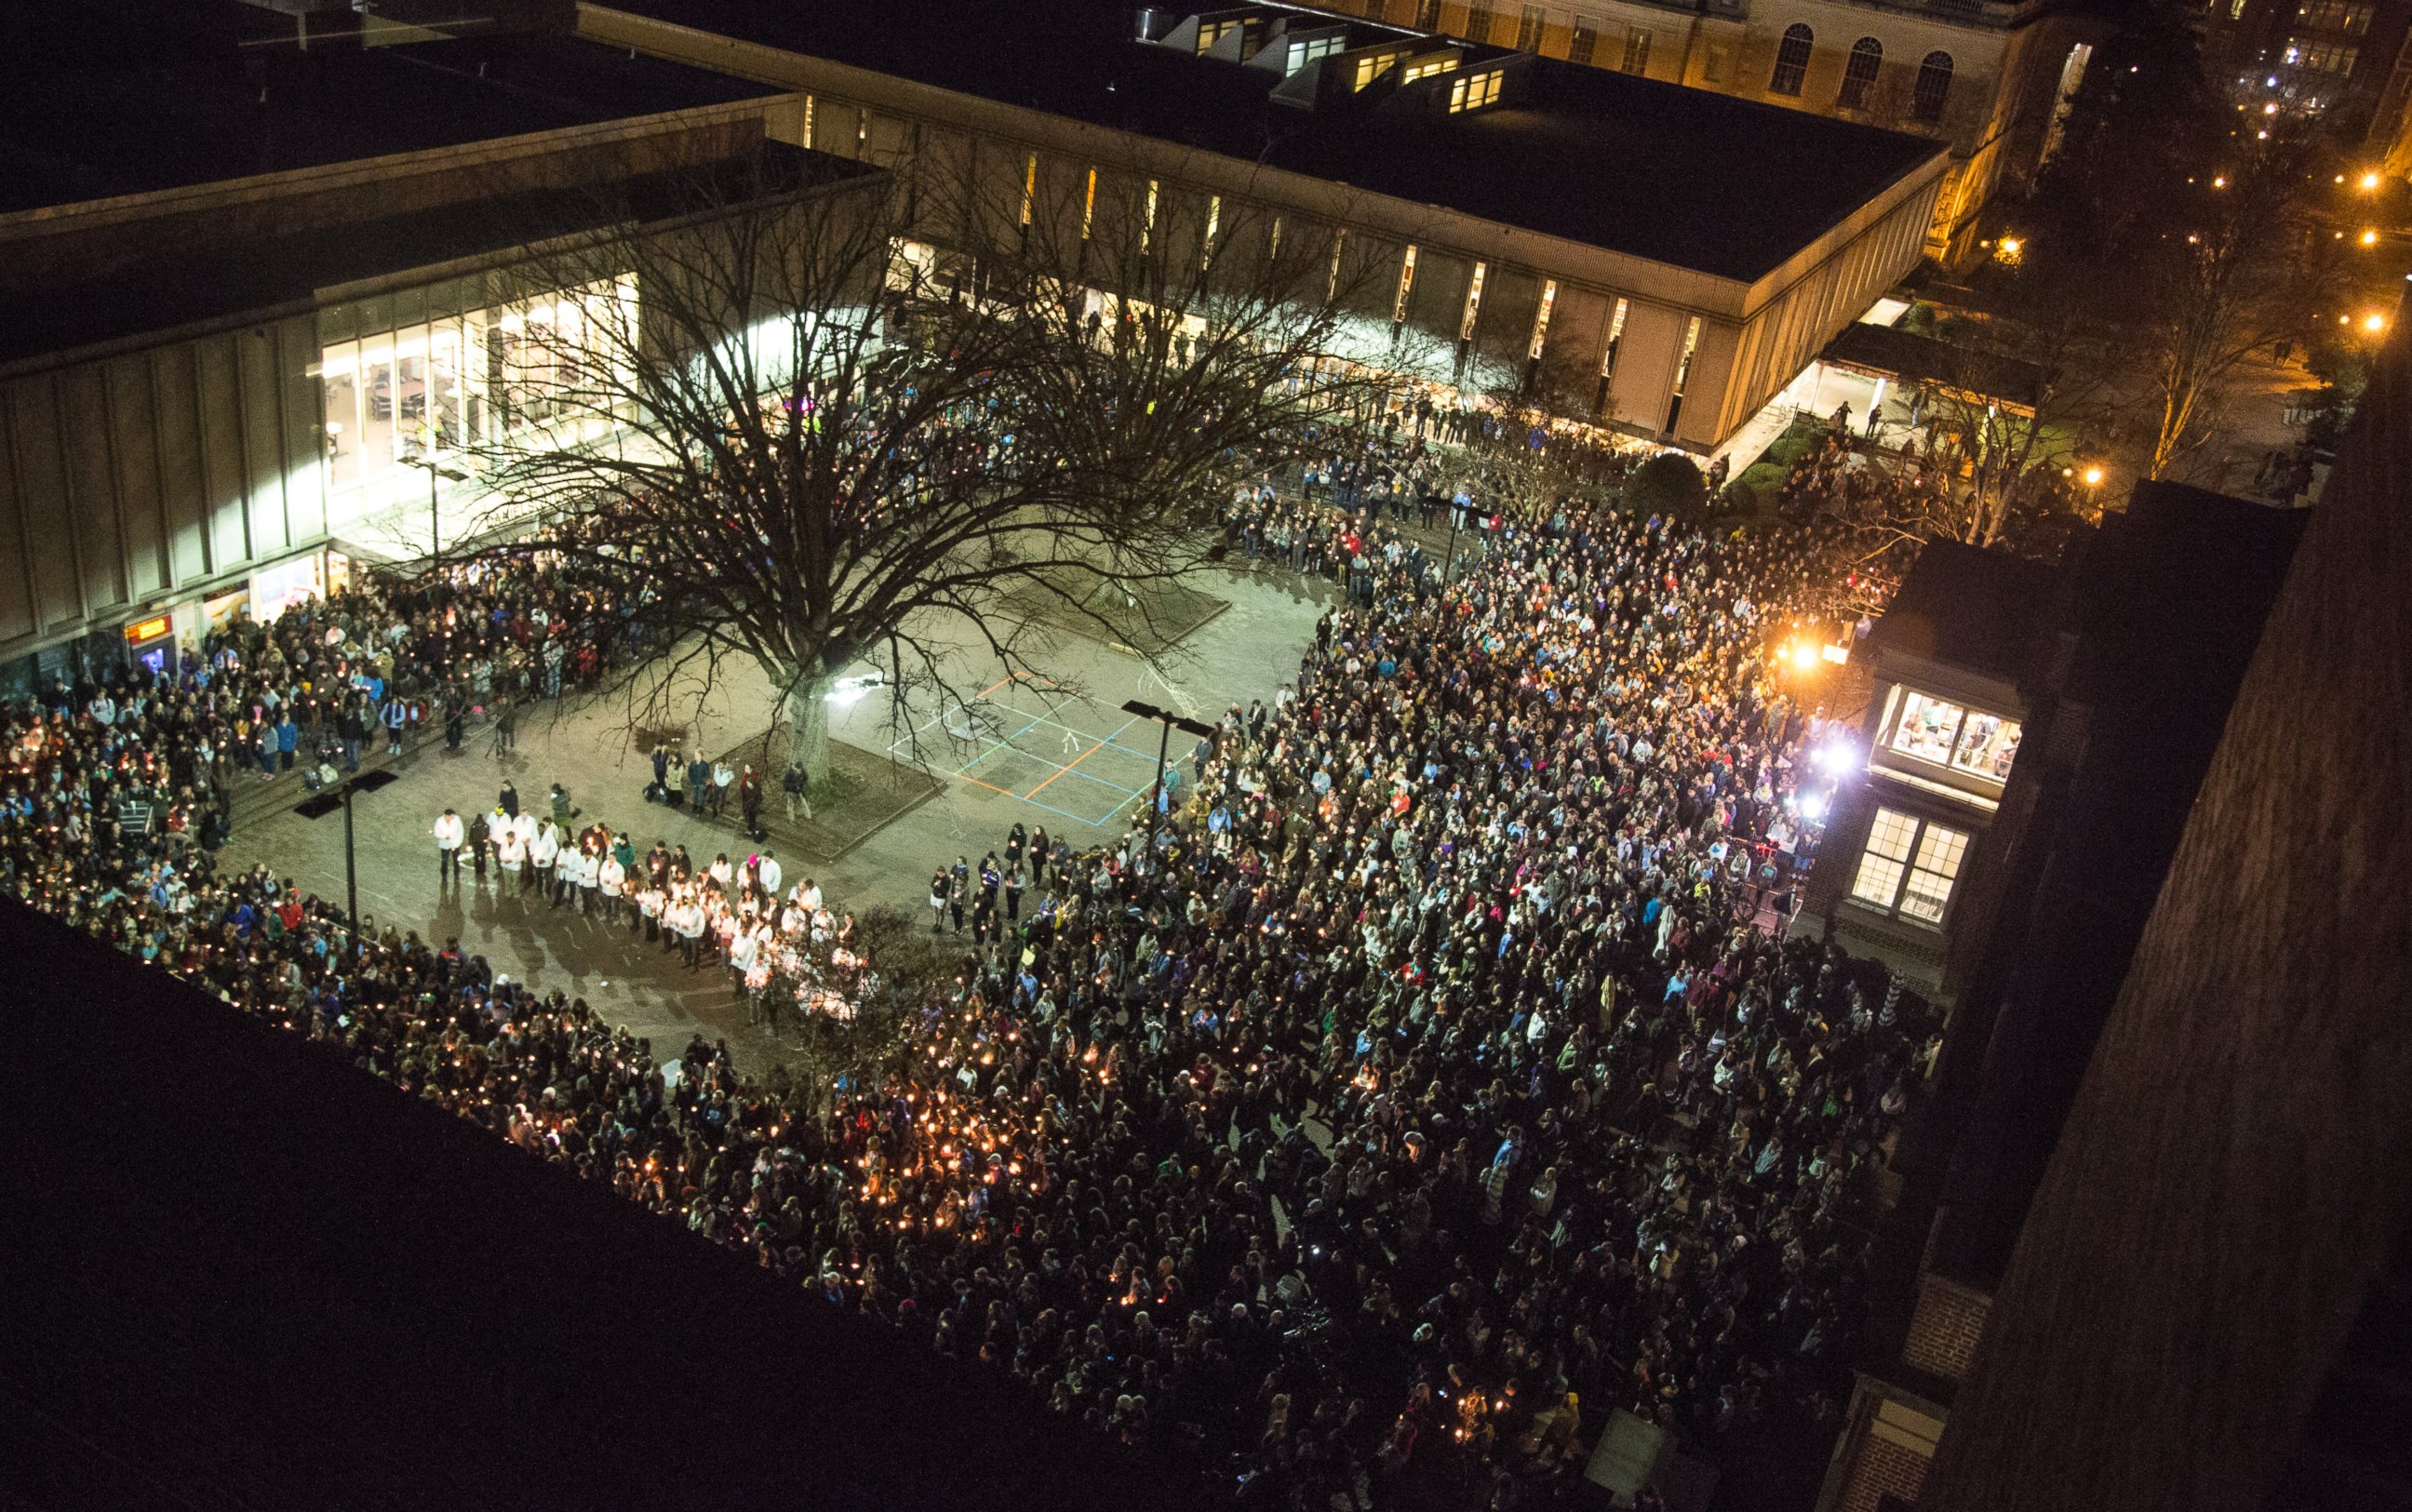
[(1927, 727), (389, 397)]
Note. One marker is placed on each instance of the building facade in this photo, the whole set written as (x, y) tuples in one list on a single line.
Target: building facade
[(1467, 195), (217, 398), (1945, 721), (1987, 77), (2130, 681)]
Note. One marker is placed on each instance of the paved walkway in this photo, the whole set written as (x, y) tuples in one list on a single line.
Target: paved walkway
[(1060, 755)]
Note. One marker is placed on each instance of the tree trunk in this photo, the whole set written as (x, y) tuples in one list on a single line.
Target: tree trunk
[(807, 714)]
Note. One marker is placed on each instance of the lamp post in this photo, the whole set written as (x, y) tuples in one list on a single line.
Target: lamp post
[(1166, 719), (426, 458), (341, 797)]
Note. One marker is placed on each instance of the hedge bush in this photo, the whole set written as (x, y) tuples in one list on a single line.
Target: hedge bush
[(1668, 483)]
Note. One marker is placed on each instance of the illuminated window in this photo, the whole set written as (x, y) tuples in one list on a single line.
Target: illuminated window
[(1928, 727), (1313, 50), (1370, 68), (1683, 371), (1147, 226), (1637, 50), (1089, 205), (1934, 85), (2334, 16), (1908, 866), (1585, 40), (1406, 284), (2324, 57), (1541, 320), (1029, 187), (1791, 60), (1210, 33), (1429, 67), (1473, 303), (1860, 72), (1474, 90), (1988, 744), (1528, 29)]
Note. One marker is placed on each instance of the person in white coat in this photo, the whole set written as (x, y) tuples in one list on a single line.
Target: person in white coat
[(449, 832), (610, 880), (543, 853)]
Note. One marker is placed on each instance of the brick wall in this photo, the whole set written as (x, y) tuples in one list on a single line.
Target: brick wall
[(1885, 1469), (1945, 1328), (1888, 1455)]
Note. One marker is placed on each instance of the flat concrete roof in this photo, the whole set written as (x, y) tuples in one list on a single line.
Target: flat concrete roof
[(178, 290), (1687, 177), (100, 98)]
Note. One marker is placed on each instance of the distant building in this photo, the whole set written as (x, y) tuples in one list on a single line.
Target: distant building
[(2339, 59), (1656, 260), (249, 288), (1986, 76)]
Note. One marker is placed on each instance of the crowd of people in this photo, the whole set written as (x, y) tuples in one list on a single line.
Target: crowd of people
[(1411, 1093)]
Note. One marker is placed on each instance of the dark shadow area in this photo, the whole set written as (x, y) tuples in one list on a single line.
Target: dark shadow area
[(242, 1274)]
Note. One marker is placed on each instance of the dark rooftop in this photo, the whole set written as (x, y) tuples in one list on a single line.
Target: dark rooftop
[(1963, 607), (242, 1273), (106, 97), (1916, 359), (1684, 176), (177, 288)]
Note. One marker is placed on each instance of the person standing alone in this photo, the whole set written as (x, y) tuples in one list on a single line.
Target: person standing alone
[(449, 832)]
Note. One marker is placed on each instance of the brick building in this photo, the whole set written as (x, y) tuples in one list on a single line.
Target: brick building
[(2133, 653)]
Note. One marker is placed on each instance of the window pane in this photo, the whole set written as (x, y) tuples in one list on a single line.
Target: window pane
[(343, 413), (1878, 881), (1791, 60), (1933, 86), (1928, 727), (1890, 835), (1925, 896), (1939, 851), (1988, 744)]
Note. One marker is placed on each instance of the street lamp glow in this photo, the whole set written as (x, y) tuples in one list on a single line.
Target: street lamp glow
[(2370, 180), (2369, 239), (2092, 477), (2374, 322)]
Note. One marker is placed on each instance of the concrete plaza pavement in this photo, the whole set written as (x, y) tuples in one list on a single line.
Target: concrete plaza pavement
[(1047, 740)]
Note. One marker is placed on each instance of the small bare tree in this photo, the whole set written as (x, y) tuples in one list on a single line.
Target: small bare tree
[(2247, 279), (812, 426)]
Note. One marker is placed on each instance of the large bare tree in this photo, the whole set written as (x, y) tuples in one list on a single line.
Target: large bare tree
[(817, 426)]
